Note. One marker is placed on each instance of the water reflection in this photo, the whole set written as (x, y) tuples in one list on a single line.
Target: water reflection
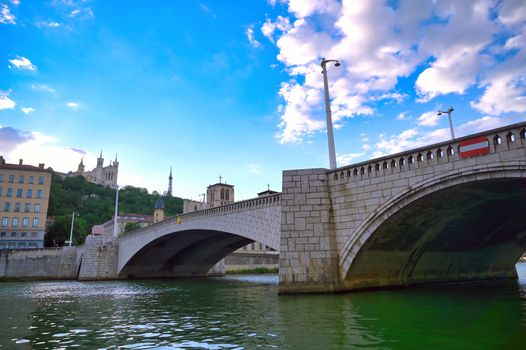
[(244, 312)]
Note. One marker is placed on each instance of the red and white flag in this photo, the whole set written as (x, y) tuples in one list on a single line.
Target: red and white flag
[(474, 147)]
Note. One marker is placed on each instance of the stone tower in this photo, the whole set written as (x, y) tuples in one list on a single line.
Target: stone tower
[(99, 171), (170, 178), (158, 210), (219, 194), (81, 167)]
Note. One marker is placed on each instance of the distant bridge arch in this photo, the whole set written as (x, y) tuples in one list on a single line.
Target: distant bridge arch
[(190, 244)]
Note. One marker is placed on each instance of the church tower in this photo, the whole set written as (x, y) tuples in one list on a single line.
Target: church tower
[(158, 210), (80, 169), (170, 178), (100, 160)]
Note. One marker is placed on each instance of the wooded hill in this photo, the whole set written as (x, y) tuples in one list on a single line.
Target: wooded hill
[(96, 205)]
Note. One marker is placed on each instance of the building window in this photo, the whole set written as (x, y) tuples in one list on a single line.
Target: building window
[(19, 193), (25, 222), (9, 192), (11, 178), (27, 207), (13, 234), (15, 222), (35, 222), (2, 234), (41, 180), (0, 191), (7, 205), (1, 177), (39, 193), (31, 179), (37, 208), (5, 222), (21, 179), (17, 207), (29, 193)]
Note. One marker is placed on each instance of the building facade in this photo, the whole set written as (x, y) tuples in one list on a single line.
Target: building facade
[(219, 194), (24, 199), (102, 175)]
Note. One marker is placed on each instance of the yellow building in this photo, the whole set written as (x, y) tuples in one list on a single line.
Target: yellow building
[(24, 198)]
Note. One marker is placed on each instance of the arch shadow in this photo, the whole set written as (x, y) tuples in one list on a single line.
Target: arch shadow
[(466, 231), (182, 254)]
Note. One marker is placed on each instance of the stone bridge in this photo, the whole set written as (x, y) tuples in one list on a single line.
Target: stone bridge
[(191, 244), (453, 211)]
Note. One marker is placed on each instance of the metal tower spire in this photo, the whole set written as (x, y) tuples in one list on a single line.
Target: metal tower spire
[(170, 178)]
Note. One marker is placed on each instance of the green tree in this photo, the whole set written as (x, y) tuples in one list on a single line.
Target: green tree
[(96, 205), (130, 226)]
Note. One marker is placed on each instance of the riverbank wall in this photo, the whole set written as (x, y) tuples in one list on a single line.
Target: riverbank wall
[(47, 263), (96, 259)]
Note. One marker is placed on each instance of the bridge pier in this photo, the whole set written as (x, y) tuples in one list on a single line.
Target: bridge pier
[(308, 250), (99, 259)]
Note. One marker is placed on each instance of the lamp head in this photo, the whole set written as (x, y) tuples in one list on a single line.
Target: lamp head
[(439, 113), (337, 64)]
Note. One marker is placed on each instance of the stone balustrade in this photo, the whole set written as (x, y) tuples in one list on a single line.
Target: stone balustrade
[(249, 204), (505, 138)]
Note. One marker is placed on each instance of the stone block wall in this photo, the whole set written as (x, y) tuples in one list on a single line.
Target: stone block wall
[(99, 260), (308, 252), (49, 263)]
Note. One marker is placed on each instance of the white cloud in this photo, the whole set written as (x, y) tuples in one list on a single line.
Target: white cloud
[(15, 2), (73, 105), (6, 102), (254, 169), (346, 159), (44, 87), (35, 147), (512, 12), (250, 36), (6, 17), (403, 116), (454, 45), (428, 119), (296, 121), (74, 13), (505, 85), (23, 63), (27, 110), (47, 24), (268, 28)]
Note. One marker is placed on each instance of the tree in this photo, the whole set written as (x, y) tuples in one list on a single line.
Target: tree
[(130, 226)]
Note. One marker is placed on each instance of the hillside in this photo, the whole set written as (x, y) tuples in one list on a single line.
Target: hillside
[(95, 204)]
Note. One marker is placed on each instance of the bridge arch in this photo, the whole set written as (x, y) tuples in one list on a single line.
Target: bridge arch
[(411, 238), (191, 244)]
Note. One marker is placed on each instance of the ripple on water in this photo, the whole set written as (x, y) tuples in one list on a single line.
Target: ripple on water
[(244, 312)]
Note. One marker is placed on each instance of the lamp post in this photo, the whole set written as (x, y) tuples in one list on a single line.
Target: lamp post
[(115, 217), (330, 134), (448, 112), (71, 231)]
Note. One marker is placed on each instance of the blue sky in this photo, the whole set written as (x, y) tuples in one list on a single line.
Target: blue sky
[(234, 88)]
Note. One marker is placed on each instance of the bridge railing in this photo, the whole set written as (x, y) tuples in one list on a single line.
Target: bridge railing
[(501, 139), (246, 205)]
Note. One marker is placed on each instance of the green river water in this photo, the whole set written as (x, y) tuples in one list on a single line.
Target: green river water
[(244, 312)]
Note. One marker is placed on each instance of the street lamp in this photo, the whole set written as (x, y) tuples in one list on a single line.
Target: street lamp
[(330, 134), (116, 216), (448, 112), (71, 231)]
